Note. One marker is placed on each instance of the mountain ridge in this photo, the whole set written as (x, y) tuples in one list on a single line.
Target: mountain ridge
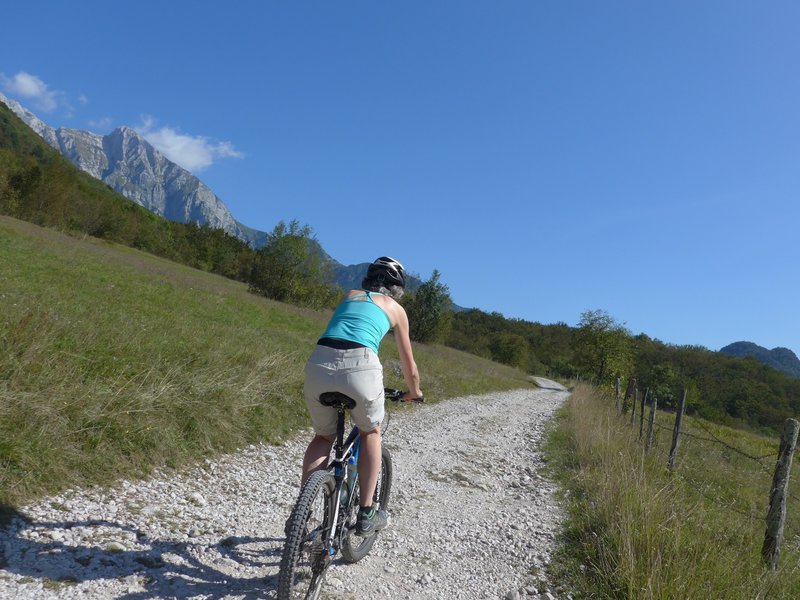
[(779, 358)]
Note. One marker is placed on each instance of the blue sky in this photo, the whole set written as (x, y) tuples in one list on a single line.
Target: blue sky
[(548, 158)]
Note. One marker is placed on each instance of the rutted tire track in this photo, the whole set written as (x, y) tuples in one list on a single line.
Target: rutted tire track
[(472, 517)]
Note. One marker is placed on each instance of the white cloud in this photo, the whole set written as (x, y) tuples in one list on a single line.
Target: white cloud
[(30, 87), (193, 153)]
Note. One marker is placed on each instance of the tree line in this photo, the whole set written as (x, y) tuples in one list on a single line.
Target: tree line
[(741, 392), (38, 185)]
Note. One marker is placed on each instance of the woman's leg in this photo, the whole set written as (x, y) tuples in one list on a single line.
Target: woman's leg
[(369, 465), (323, 418), (317, 453)]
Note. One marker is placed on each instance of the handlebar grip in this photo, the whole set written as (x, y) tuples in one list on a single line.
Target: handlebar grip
[(397, 395), (393, 394)]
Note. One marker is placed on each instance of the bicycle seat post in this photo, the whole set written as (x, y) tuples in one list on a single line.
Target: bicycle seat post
[(340, 402), (338, 449)]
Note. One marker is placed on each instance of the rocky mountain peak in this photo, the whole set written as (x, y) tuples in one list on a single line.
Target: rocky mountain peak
[(132, 166)]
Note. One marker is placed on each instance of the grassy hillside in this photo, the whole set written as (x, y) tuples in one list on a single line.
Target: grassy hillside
[(638, 530), (113, 361)]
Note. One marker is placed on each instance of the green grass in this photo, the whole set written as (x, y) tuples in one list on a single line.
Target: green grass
[(638, 530), (113, 361)]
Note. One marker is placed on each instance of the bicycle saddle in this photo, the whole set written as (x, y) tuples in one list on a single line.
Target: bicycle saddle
[(337, 399)]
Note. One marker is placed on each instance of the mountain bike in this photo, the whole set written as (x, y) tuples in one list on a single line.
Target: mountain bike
[(323, 521)]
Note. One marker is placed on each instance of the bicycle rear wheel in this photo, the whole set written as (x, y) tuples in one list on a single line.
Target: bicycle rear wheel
[(354, 548), (305, 558)]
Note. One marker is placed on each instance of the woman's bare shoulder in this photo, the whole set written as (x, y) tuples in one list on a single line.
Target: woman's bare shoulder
[(387, 303)]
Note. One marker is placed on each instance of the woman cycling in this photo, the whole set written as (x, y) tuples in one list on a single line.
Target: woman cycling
[(345, 360)]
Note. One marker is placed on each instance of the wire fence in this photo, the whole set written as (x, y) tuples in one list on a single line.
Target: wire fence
[(716, 469)]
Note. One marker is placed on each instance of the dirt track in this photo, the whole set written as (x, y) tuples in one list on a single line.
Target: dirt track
[(472, 517)]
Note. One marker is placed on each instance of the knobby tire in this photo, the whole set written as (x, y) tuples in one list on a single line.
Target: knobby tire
[(304, 559)]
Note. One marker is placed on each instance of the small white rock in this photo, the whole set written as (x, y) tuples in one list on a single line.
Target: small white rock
[(197, 499), (116, 546)]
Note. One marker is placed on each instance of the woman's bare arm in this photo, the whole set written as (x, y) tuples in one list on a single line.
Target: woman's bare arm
[(407, 363)]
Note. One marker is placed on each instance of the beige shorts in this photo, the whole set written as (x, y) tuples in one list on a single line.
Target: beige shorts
[(357, 373)]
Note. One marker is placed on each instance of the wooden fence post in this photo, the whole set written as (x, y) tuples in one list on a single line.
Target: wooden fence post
[(633, 404), (651, 425), (628, 393), (616, 393), (676, 433), (641, 412), (776, 516)]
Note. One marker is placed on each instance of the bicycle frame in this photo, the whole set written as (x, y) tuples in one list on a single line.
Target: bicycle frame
[(344, 452)]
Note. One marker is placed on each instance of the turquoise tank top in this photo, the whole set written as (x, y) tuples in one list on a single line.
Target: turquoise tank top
[(359, 321)]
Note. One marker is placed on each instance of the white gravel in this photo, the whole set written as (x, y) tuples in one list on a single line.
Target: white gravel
[(471, 517)]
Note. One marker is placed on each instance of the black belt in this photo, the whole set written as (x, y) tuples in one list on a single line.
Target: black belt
[(339, 344)]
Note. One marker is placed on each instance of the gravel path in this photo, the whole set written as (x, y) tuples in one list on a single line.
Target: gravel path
[(472, 517)]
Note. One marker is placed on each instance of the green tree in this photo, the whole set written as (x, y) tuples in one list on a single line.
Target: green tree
[(604, 346), (509, 349), (662, 384), (430, 311), (291, 268)]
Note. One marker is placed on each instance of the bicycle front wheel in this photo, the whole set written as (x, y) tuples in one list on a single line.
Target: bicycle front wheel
[(354, 548), (305, 557)]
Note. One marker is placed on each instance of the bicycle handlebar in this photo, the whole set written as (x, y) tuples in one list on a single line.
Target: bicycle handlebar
[(397, 396)]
